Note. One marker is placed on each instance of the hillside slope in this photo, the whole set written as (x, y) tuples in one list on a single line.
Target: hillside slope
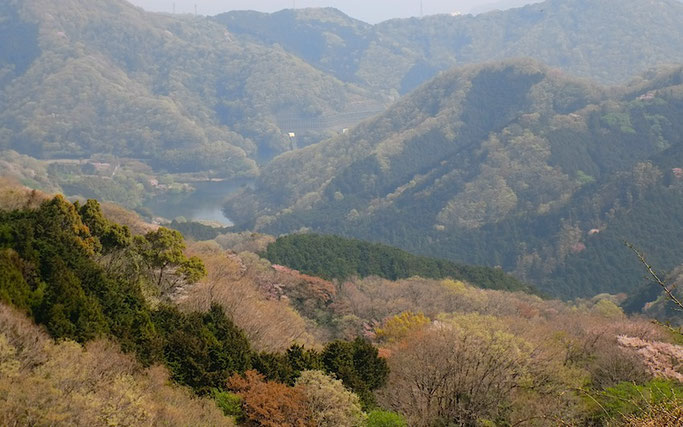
[(189, 94), (608, 40), (332, 257), (237, 342), (506, 164), (89, 77)]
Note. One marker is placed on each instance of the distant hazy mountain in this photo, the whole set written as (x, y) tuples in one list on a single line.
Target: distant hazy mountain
[(501, 5), (508, 164), (82, 77), (191, 94), (607, 40)]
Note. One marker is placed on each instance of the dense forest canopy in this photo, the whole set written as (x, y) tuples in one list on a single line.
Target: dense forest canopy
[(190, 94), (512, 165), (84, 278), (177, 91), (332, 257), (144, 329), (507, 164)]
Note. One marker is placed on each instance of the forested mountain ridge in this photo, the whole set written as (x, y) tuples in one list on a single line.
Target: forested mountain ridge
[(609, 41), (106, 319), (196, 94), (332, 257), (92, 77), (508, 164)]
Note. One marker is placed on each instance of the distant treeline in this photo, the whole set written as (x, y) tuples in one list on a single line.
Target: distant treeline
[(333, 257), (198, 231)]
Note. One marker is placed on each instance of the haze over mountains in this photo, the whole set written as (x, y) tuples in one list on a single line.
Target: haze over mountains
[(301, 219), (508, 163), (372, 12), (166, 88), (223, 96), (609, 41)]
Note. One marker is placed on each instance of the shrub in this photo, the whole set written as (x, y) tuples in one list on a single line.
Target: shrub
[(332, 405), (229, 403), (271, 404), (378, 418)]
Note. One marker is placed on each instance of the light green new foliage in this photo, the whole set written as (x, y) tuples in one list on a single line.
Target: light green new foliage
[(379, 418), (607, 308), (331, 403), (162, 254), (229, 403)]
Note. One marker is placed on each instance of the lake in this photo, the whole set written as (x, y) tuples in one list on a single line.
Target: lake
[(203, 204)]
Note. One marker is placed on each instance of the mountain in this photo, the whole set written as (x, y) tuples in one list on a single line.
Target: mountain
[(500, 5), (510, 164), (505, 164), (192, 94), (608, 40), (88, 77)]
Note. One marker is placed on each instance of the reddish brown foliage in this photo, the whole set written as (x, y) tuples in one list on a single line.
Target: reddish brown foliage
[(299, 283), (270, 403)]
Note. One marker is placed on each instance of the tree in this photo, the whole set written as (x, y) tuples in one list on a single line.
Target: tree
[(630, 400), (229, 403), (301, 359), (167, 265), (331, 404), (66, 309), (379, 418), (271, 404), (399, 326), (112, 236), (47, 382), (14, 288), (658, 416), (455, 373), (63, 283), (358, 365), (271, 324), (202, 350)]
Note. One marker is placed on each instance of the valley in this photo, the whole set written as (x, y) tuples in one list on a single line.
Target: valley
[(302, 219)]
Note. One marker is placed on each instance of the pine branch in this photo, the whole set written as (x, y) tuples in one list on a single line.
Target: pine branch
[(656, 278)]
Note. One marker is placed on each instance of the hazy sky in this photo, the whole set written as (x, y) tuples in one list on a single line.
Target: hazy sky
[(366, 10)]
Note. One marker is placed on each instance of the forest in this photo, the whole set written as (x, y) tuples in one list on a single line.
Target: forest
[(147, 310), (505, 164), (451, 220), (611, 40), (332, 257), (176, 92), (189, 94)]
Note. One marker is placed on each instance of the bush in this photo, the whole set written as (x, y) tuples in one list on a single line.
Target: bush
[(358, 365), (380, 418), (229, 403), (631, 400), (331, 404)]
